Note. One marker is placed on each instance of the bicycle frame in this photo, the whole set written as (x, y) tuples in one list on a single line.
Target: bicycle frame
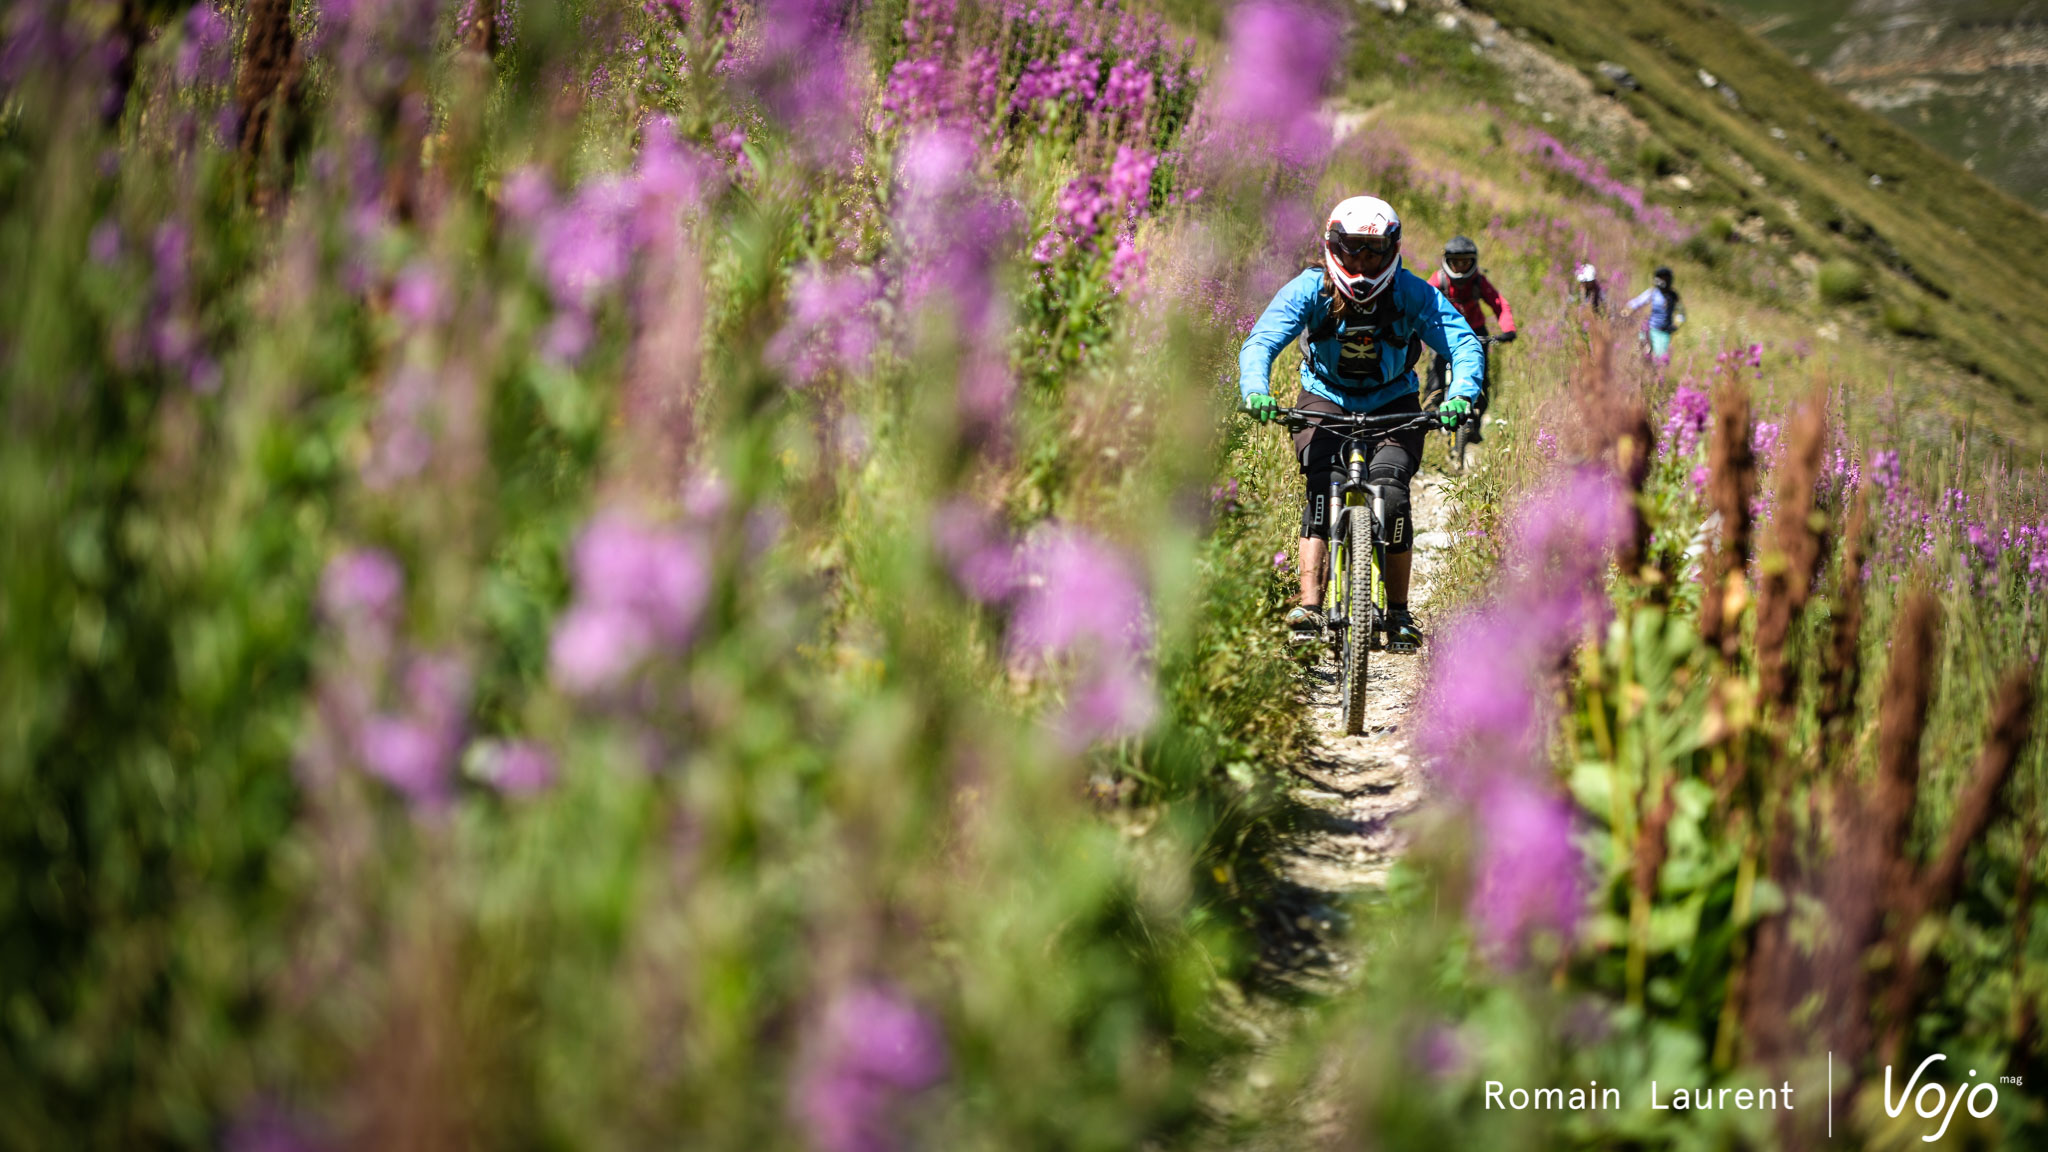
[(1351, 496), (1354, 628)]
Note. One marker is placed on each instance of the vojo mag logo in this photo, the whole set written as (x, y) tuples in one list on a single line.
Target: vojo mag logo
[(1933, 1101)]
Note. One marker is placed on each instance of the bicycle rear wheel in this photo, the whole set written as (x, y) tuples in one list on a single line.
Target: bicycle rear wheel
[(1362, 617)]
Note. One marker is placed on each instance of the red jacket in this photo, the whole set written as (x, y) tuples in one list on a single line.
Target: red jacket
[(1468, 294)]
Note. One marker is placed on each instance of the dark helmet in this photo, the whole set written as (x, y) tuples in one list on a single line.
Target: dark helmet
[(1662, 276), (1461, 258)]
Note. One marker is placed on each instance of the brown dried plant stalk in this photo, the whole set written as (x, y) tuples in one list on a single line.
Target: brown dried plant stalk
[(1935, 888), (1841, 669), (1618, 422), (1791, 566), (1732, 464), (1902, 718), (266, 83)]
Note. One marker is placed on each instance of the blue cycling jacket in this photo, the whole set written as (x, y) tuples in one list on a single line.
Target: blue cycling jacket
[(1350, 369), (1660, 303)]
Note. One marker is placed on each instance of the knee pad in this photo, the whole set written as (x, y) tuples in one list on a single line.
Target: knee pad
[(1315, 512), (1393, 494)]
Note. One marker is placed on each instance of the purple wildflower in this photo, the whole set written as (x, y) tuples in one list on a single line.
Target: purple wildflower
[(1281, 56), (830, 323), (417, 295), (636, 587), (205, 56), (518, 767), (1763, 440), (1690, 410), (363, 585), (1530, 876), (414, 750), (875, 1049), (980, 556)]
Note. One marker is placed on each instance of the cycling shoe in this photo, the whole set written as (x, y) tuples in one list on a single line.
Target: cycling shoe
[(1402, 634)]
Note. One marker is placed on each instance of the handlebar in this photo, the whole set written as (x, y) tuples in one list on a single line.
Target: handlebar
[(1300, 418)]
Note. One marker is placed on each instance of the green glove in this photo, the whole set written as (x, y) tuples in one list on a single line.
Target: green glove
[(1262, 407), (1451, 411)]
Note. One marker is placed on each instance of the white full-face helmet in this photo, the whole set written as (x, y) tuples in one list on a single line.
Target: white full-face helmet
[(1362, 247), (1588, 274)]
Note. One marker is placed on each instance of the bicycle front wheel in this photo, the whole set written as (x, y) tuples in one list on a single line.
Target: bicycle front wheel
[(1363, 617)]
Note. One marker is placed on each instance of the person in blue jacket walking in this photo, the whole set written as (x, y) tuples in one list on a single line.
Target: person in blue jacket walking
[(1363, 320), (1666, 313)]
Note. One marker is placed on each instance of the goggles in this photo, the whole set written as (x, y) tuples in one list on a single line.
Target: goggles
[(1462, 263), (1362, 255)]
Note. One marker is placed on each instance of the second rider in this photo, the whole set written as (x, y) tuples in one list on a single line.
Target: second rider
[(1363, 320)]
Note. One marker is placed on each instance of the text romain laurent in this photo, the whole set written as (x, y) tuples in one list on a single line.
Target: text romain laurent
[(1593, 1098)]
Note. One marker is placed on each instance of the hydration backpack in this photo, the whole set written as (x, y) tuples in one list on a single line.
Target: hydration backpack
[(1327, 327)]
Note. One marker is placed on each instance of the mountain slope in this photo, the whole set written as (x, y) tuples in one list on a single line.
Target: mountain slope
[(1947, 255)]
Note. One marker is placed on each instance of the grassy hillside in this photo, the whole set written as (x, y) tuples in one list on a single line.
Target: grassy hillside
[(1962, 75), (1941, 254)]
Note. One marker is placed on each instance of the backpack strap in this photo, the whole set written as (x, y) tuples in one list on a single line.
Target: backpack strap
[(1326, 327)]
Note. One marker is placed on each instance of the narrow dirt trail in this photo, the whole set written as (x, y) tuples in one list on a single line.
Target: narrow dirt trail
[(1342, 834), (1350, 791)]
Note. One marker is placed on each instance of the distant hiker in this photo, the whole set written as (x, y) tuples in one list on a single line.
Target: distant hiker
[(1362, 319), (1467, 287), (1666, 314), (1590, 293)]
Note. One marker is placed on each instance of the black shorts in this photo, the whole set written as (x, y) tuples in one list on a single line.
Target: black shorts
[(1392, 460)]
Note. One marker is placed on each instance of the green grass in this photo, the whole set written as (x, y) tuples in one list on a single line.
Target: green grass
[(1936, 236)]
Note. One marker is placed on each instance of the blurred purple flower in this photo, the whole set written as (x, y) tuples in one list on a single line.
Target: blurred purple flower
[(1281, 58), (874, 1049), (1886, 471), (1076, 593), (205, 56), (1763, 441), (1480, 706), (800, 72), (417, 295), (980, 556), (831, 323), (415, 749), (1115, 701), (1690, 410), (595, 648), (1281, 559), (518, 768), (1530, 876), (105, 243), (363, 584), (636, 586), (265, 1126)]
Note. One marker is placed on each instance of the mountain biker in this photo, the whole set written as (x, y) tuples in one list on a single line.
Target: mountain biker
[(1468, 288), (1590, 292), (1666, 314), (1362, 319)]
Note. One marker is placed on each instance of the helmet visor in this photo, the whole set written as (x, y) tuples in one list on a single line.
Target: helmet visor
[(1363, 255), (1462, 263)]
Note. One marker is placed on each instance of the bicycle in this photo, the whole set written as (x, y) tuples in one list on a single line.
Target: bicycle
[(1354, 584), (1439, 383)]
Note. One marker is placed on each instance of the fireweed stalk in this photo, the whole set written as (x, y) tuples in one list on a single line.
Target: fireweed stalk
[(1483, 715)]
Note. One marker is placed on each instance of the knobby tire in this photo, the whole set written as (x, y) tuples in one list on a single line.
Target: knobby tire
[(1363, 617)]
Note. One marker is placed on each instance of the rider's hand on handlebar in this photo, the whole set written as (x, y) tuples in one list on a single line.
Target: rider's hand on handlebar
[(1452, 411), (1262, 408), (1504, 338)]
